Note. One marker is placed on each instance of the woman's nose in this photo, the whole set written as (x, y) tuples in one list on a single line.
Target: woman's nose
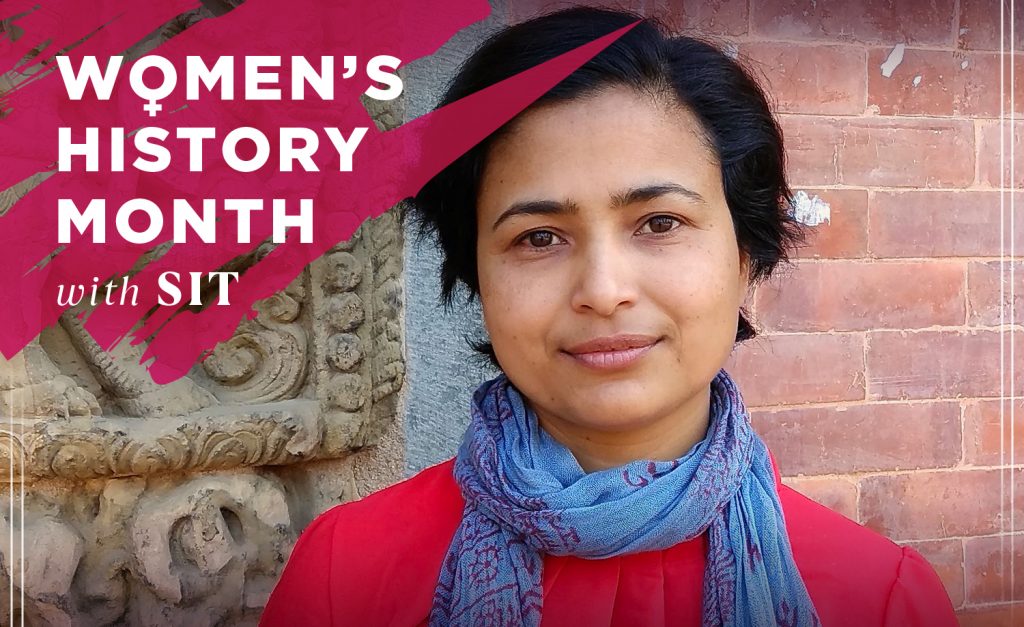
[(605, 279)]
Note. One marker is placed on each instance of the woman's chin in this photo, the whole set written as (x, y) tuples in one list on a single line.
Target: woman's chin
[(621, 411)]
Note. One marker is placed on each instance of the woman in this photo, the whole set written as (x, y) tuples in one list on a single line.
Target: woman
[(610, 475)]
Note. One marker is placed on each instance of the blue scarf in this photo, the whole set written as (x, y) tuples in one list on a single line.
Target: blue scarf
[(526, 495)]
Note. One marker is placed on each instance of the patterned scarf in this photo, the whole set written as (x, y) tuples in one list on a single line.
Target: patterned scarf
[(526, 495)]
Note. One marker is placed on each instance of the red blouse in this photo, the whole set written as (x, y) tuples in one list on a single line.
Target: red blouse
[(376, 562)]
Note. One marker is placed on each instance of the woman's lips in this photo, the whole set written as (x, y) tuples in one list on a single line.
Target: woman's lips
[(612, 353)]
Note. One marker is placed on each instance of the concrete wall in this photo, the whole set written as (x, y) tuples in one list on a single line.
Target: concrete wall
[(442, 370)]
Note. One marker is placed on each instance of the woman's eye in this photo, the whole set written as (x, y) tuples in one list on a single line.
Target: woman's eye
[(660, 224), (540, 239)]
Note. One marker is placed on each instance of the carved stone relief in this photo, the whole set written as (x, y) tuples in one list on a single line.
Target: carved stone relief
[(179, 506)]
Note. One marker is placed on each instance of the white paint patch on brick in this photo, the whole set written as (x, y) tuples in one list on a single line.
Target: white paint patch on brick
[(963, 64), (917, 80), (893, 61), (809, 210)]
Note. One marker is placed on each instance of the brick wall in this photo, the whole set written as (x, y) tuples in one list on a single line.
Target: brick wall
[(876, 381)]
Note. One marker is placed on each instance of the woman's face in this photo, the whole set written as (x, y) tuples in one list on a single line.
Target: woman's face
[(610, 276)]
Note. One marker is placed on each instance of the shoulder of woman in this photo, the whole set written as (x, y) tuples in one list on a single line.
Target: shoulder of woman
[(918, 596), (425, 508), (419, 505), (346, 559), (894, 585)]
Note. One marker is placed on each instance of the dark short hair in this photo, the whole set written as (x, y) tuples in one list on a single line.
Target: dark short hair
[(735, 115)]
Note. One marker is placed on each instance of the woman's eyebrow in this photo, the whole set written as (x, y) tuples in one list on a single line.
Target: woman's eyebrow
[(650, 192), (619, 199), (536, 207)]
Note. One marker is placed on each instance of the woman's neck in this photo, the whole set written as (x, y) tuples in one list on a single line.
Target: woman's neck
[(669, 437)]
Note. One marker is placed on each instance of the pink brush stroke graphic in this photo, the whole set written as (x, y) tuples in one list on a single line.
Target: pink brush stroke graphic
[(388, 166)]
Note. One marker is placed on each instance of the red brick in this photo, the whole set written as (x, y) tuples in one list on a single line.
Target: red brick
[(859, 438), (1004, 615), (879, 151), (988, 565), (799, 368), (937, 224), (907, 152), (837, 494), (718, 17), (826, 80), (937, 504), (941, 82), (935, 364), (989, 156), (1008, 615), (845, 235), (857, 295), (947, 558), (812, 149), (983, 292), (522, 10), (979, 30), (871, 21), (983, 444)]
